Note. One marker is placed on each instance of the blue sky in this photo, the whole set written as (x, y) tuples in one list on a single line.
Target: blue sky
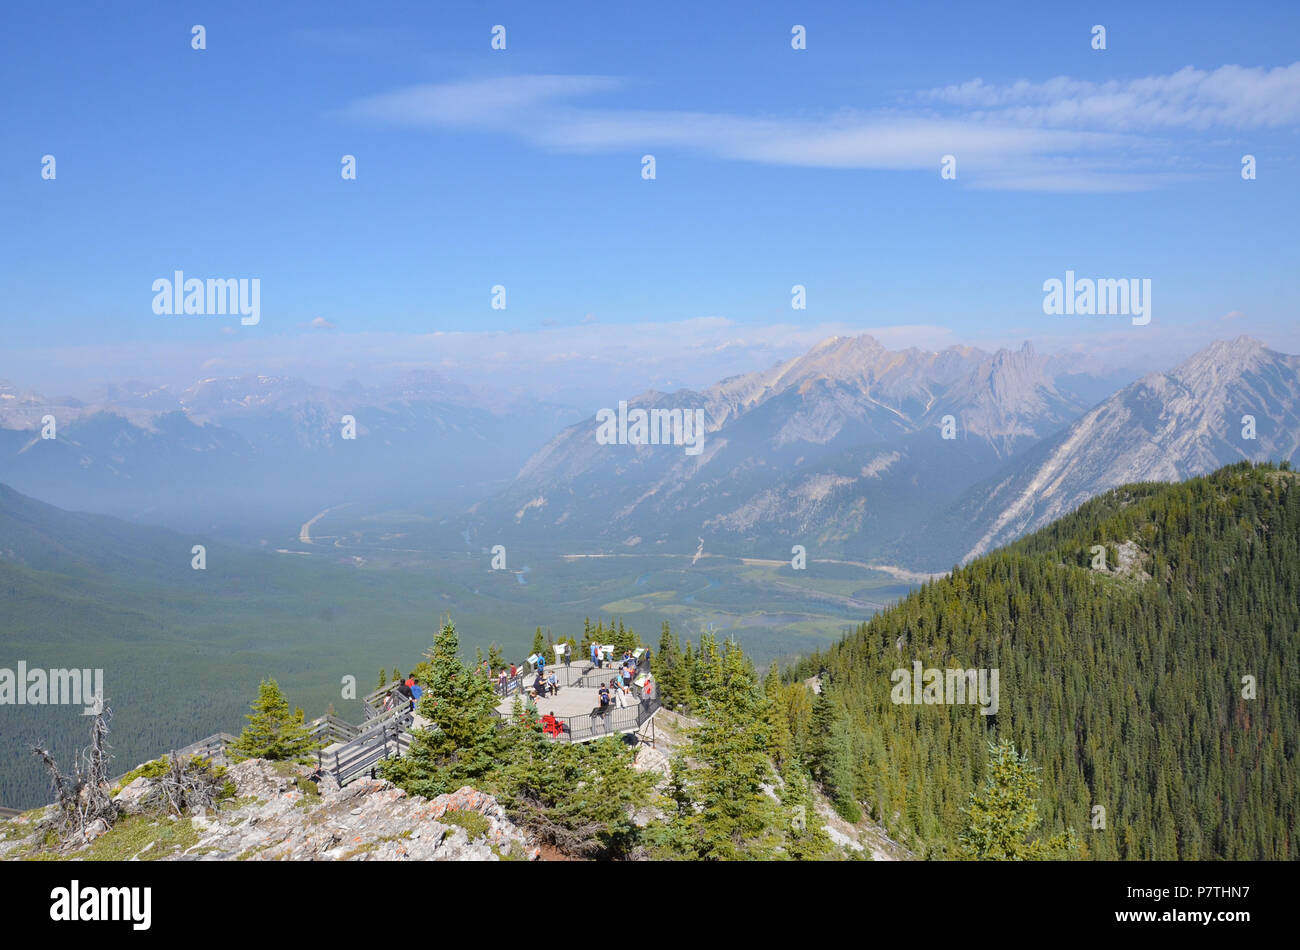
[(521, 167)]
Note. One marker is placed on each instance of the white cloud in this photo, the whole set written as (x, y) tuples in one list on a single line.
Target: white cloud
[(1059, 135), (1227, 97), (475, 102)]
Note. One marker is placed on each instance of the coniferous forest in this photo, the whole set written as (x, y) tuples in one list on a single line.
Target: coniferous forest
[(1146, 708), (1147, 646)]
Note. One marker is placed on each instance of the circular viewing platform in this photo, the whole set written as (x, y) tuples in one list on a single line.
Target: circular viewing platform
[(573, 713)]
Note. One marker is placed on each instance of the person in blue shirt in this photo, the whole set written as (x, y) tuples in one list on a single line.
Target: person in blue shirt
[(416, 692)]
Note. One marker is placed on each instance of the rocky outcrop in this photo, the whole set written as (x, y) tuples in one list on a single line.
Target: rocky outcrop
[(278, 814), (366, 821)]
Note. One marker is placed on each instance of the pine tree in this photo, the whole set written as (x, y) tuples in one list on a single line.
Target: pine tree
[(462, 742), (670, 670), (383, 678), (1001, 816), (779, 740), (733, 817), (273, 732), (806, 839), (690, 699), (539, 642), (708, 683), (830, 754), (581, 798)]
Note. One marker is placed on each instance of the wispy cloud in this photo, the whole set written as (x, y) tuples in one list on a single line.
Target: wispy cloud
[(499, 102), (1060, 134), (1227, 97)]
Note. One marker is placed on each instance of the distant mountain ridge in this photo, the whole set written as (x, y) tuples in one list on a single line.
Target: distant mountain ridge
[(842, 449), (789, 451), (235, 444), (1166, 427)]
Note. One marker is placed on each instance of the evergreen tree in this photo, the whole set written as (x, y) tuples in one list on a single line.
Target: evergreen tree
[(779, 740), (806, 839), (273, 732), (688, 675), (580, 797), (1001, 816), (625, 639), (461, 743), (1129, 680), (830, 754), (539, 642), (708, 683), (732, 816), (670, 670)]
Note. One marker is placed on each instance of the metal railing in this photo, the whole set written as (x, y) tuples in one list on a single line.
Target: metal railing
[(584, 675), (608, 720), (386, 732), (602, 720)]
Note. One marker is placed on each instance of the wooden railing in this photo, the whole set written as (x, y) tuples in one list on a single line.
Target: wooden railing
[(329, 729), (213, 747), (381, 738), (324, 730)]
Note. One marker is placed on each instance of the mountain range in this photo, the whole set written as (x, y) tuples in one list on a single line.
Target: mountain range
[(909, 458), (819, 449), (258, 446), (1233, 401), (919, 458)]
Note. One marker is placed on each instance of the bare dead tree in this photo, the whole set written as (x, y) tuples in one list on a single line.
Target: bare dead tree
[(64, 787), (83, 797), (94, 767)]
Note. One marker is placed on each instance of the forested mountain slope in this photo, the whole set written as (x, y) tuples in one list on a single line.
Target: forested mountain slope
[(1127, 685)]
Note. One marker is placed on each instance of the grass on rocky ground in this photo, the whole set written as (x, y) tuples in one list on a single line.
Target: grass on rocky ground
[(475, 825), (130, 837)]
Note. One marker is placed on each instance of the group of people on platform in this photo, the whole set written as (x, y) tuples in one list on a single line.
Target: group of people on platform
[(408, 692), (619, 692)]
